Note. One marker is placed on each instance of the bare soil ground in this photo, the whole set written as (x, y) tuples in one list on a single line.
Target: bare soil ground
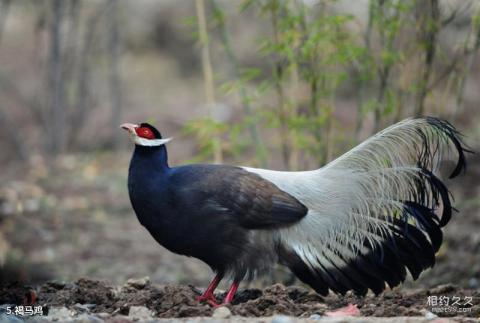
[(177, 301)]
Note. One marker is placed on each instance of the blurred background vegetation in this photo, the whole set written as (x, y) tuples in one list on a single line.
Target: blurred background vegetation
[(283, 84)]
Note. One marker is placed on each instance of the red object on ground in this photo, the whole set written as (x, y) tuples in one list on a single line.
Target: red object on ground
[(30, 297), (349, 310)]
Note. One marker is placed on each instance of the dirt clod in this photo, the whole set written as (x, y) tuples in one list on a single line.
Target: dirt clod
[(140, 313), (138, 283), (18, 294)]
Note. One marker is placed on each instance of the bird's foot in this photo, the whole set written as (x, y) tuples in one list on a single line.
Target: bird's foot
[(208, 298)]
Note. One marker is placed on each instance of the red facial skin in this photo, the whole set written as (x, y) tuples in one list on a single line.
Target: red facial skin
[(144, 133)]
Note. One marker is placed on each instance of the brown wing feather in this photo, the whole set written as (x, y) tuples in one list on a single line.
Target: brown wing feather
[(255, 202)]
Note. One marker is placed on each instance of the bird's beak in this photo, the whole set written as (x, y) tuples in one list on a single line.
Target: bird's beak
[(130, 127)]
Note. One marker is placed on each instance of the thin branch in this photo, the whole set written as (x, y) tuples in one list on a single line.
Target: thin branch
[(6, 121), (115, 73), (57, 134), (82, 105), (4, 9), (428, 37), (448, 70), (278, 72), (10, 130), (70, 49), (383, 70), (470, 62)]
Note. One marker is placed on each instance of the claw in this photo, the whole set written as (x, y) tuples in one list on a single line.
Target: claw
[(209, 298), (214, 303), (208, 295)]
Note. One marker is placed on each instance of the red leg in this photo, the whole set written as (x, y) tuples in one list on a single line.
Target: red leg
[(208, 295), (231, 293)]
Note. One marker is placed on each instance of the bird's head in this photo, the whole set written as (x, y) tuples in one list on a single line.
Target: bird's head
[(145, 134)]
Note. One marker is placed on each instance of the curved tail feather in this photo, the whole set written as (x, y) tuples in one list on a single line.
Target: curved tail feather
[(374, 212)]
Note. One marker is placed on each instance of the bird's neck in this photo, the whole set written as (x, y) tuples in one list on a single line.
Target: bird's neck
[(149, 157)]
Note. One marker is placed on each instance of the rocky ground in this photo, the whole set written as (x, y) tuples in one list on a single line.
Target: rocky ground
[(139, 300)]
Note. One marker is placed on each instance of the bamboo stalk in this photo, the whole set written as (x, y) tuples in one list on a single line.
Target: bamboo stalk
[(329, 140), (295, 89), (208, 73), (361, 83), (295, 85), (313, 81), (282, 111), (254, 133)]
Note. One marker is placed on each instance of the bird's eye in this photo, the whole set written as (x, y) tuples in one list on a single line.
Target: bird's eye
[(145, 133)]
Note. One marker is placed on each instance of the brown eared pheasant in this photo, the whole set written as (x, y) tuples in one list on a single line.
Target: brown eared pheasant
[(358, 223)]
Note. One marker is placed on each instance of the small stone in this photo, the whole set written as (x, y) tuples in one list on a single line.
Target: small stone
[(442, 289), (315, 317), (85, 318), (140, 313), (282, 319), (103, 315), (222, 312), (138, 283), (473, 283), (4, 318), (56, 284), (428, 315), (59, 314), (119, 319), (84, 307)]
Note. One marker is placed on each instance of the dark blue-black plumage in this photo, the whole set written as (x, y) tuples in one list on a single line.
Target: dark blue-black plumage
[(207, 211)]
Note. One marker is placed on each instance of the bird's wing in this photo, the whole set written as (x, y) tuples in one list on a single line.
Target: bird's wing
[(374, 211), (253, 201)]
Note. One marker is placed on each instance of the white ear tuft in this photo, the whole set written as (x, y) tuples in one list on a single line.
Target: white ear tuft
[(150, 142)]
